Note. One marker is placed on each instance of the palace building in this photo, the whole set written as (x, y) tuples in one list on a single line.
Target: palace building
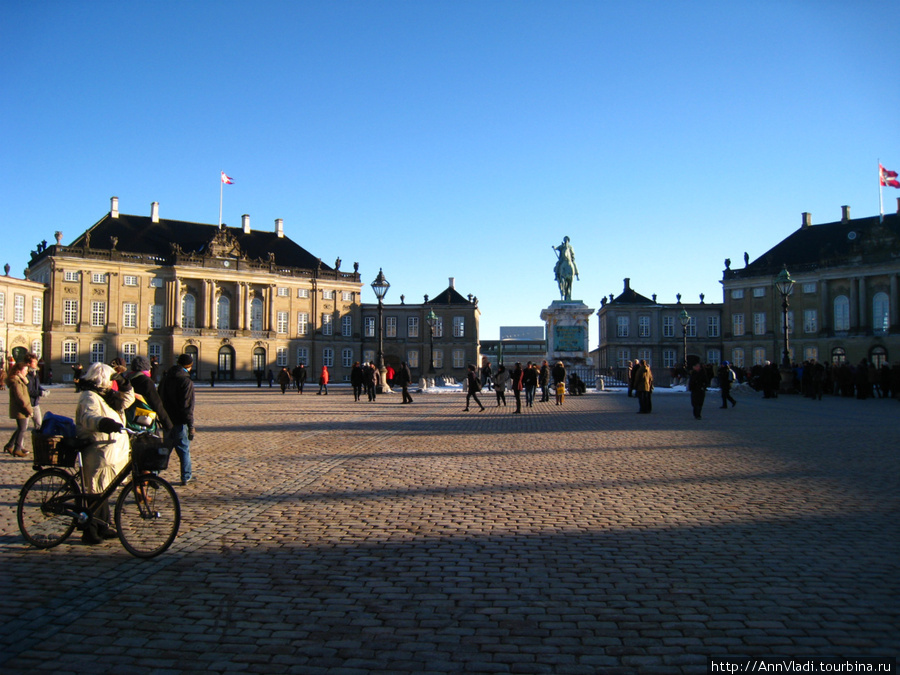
[(239, 300), (21, 317)]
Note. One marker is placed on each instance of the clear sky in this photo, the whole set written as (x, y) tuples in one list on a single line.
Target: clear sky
[(458, 139)]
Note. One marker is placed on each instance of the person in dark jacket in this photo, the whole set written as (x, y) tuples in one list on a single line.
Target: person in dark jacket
[(356, 380), (35, 390), (143, 385), (403, 377), (473, 386), (544, 381), (284, 379), (516, 379), (726, 378), (299, 375), (697, 384), (177, 394)]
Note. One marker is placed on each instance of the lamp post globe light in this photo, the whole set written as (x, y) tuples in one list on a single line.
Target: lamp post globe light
[(785, 285), (380, 286), (684, 318), (431, 320)]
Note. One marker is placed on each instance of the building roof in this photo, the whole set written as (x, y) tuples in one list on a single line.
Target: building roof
[(139, 234), (837, 244), (450, 296), (631, 297)]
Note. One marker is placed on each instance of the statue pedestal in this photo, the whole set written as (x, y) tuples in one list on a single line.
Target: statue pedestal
[(567, 331)]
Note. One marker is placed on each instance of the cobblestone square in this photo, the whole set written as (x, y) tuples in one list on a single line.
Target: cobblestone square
[(335, 537)]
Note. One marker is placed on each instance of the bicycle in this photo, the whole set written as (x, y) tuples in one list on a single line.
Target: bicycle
[(53, 502)]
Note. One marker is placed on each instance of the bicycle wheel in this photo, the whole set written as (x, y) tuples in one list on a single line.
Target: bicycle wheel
[(45, 507), (147, 516)]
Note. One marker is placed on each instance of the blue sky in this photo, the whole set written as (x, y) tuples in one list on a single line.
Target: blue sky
[(463, 139)]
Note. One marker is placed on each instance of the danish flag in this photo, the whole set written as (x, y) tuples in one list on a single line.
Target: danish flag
[(228, 181), (888, 177)]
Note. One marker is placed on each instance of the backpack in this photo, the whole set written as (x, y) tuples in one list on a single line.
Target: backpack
[(730, 375)]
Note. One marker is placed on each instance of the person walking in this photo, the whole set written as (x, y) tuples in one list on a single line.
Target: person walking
[(473, 386), (529, 382), (544, 381), (177, 394), (370, 378), (516, 378), (357, 378), (35, 390), (726, 378), (643, 386), (697, 384), (20, 408), (487, 373), (284, 379), (298, 372), (403, 377), (323, 381), (500, 383)]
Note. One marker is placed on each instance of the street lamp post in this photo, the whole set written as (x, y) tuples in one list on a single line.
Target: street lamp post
[(785, 286), (431, 320), (684, 318), (380, 286)]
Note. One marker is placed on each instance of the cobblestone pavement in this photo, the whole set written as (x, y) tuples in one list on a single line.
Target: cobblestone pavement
[(328, 536)]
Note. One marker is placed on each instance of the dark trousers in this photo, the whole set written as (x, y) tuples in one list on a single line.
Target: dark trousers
[(697, 397), (406, 397), (726, 397)]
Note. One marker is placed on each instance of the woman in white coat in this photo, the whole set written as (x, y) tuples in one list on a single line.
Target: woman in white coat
[(100, 418)]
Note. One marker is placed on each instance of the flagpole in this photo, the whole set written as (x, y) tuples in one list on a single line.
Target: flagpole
[(880, 193), (221, 186)]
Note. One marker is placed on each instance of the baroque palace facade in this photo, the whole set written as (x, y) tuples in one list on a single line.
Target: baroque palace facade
[(844, 303), (238, 300)]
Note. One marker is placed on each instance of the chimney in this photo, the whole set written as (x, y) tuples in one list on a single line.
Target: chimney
[(845, 214), (654, 298), (627, 283), (114, 207), (279, 227), (245, 223), (154, 212), (452, 282), (806, 220)]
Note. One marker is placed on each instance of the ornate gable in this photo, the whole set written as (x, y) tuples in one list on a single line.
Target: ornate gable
[(224, 245)]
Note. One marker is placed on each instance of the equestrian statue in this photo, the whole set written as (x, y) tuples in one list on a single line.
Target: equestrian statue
[(565, 269)]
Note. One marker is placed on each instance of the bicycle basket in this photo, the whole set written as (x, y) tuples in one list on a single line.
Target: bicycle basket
[(149, 453), (54, 450)]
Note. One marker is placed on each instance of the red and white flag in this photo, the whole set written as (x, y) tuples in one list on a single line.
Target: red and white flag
[(228, 181), (888, 177)]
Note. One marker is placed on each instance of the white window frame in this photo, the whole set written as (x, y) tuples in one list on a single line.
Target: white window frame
[(18, 308), (2, 306), (303, 356), (712, 326), (390, 326), (188, 311), (327, 294), (223, 313), (412, 326), (459, 358), (327, 323), (281, 326), (69, 351), (412, 358), (438, 358), (156, 282), (302, 292), (738, 327), (129, 280), (713, 356), (70, 312), (759, 356), (439, 327), (347, 357), (841, 311), (369, 326), (129, 314), (737, 357), (669, 358), (623, 326), (157, 313), (759, 292), (623, 357), (99, 277), (881, 313), (328, 357), (71, 276), (347, 296), (644, 326), (98, 352), (810, 321), (281, 356), (347, 326), (284, 292), (646, 355), (459, 327), (692, 327), (809, 287), (37, 310), (98, 314), (669, 326), (759, 323), (737, 294), (129, 351), (302, 323)]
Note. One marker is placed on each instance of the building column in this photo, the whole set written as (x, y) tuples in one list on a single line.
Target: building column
[(270, 309), (854, 304), (825, 319), (239, 299), (176, 301), (863, 306), (895, 304)]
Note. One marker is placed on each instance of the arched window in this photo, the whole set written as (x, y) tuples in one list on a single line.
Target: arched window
[(188, 311), (256, 314), (841, 313), (838, 356), (878, 356), (226, 363), (259, 359), (881, 313), (223, 313)]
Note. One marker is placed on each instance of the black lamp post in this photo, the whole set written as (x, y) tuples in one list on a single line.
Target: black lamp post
[(431, 320), (685, 319), (380, 286), (785, 286)]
